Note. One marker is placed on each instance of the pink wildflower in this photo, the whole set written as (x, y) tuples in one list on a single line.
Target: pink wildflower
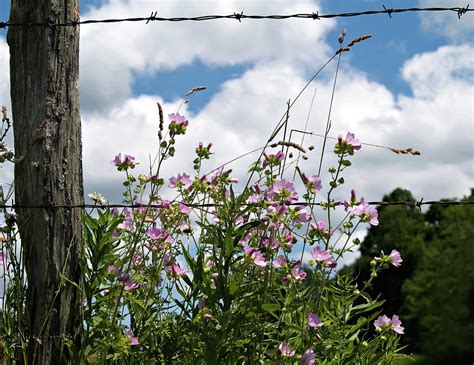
[(350, 140), (394, 258), (114, 270), (312, 183), (324, 257), (314, 321), (355, 143), (283, 191), (308, 358), (223, 176), (347, 146), (383, 322), (137, 259), (129, 285), (249, 251), (279, 262), (168, 259), (397, 325), (157, 234), (165, 203), (184, 209), (285, 349), (259, 259), (126, 225), (298, 274), (277, 209), (176, 271), (271, 243), (273, 159), (366, 212), (254, 198), (319, 226), (239, 221), (178, 119), (133, 340), (127, 162), (303, 215), (179, 181), (117, 160)]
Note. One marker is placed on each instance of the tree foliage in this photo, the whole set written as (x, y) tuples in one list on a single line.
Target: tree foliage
[(433, 290)]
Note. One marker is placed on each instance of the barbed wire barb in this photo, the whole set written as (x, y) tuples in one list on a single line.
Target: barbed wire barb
[(238, 16), (463, 11), (389, 11), (152, 17)]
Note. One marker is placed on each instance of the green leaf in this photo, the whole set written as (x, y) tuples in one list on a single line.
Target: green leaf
[(228, 246), (271, 307), (367, 306), (233, 287), (188, 258)]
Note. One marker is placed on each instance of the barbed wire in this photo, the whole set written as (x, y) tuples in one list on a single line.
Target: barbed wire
[(240, 16), (412, 203)]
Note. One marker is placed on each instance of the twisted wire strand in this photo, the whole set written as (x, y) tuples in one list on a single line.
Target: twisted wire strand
[(240, 16)]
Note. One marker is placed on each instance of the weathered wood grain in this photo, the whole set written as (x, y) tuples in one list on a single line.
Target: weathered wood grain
[(44, 67)]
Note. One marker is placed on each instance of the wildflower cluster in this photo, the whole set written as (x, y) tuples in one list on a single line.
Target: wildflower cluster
[(253, 272)]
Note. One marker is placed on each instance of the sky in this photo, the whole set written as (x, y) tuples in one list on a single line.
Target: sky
[(410, 85)]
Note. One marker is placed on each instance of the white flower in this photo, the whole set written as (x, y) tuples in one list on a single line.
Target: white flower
[(98, 198)]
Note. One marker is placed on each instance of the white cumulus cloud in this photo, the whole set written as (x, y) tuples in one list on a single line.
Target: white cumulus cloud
[(110, 55), (447, 24)]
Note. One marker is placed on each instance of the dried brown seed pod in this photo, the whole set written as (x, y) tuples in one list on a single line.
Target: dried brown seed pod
[(360, 39), (345, 49), (292, 144), (196, 89), (161, 125)]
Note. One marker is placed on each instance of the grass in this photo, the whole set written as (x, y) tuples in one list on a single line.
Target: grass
[(409, 360)]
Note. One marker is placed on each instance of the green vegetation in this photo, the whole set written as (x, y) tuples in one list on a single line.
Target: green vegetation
[(433, 290)]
